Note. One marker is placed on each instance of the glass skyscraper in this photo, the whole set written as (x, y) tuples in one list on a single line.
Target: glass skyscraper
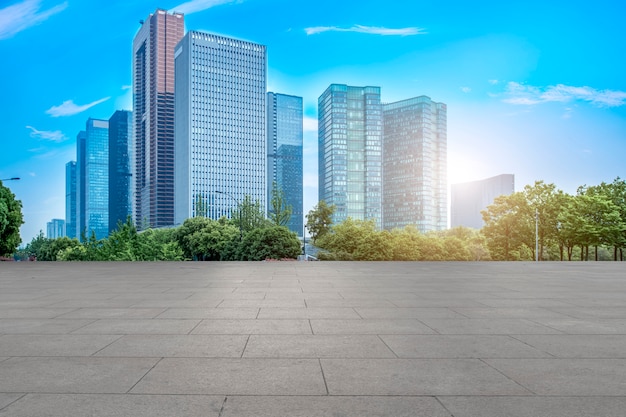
[(470, 198), (120, 151), (284, 153), (70, 199), (97, 178), (415, 167), (153, 118), (220, 125), (81, 184), (55, 228), (350, 151)]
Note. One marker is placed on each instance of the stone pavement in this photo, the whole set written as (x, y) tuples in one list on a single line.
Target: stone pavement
[(313, 339)]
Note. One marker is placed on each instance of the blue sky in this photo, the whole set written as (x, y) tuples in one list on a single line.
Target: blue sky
[(533, 88)]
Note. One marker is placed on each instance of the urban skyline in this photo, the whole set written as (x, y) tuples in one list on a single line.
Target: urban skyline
[(531, 94)]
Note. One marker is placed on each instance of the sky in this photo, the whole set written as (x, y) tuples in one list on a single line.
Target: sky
[(533, 88)]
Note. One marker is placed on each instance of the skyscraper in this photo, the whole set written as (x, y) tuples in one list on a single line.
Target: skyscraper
[(97, 178), (120, 151), (350, 151), (70, 199), (81, 183), (55, 228), (153, 118), (220, 125), (284, 153), (470, 198), (415, 167)]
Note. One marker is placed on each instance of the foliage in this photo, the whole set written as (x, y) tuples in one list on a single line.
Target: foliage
[(249, 216), (357, 240), (319, 220), (204, 239), (273, 242), (280, 211), (509, 227), (10, 221)]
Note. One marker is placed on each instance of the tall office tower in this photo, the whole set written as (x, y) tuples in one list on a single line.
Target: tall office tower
[(97, 178), (70, 199), (284, 153), (470, 198), (414, 168), (55, 228), (349, 151), (220, 125), (153, 118), (81, 181), (120, 151)]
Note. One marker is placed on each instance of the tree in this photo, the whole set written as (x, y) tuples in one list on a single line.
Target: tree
[(249, 215), (10, 221), (545, 201), (509, 227), (280, 211), (319, 220), (204, 239), (273, 242), (357, 240)]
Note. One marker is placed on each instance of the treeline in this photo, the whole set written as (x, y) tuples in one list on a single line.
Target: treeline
[(540, 222), (247, 236)]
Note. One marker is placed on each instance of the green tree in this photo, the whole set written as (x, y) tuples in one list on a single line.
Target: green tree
[(204, 239), (202, 205), (52, 247), (10, 221), (280, 211), (544, 201), (36, 246), (616, 192), (509, 227), (319, 220), (357, 240), (249, 215), (273, 242)]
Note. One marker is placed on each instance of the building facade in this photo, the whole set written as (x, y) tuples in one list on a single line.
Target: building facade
[(220, 125), (120, 152), (284, 154), (70, 199), (55, 228), (470, 198), (81, 184), (415, 164), (97, 178), (153, 118), (350, 151)]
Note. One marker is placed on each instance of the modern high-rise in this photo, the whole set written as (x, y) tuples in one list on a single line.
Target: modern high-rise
[(120, 151), (55, 228), (415, 168), (97, 178), (220, 125), (70, 199), (153, 118), (284, 154), (470, 198), (350, 151), (81, 183)]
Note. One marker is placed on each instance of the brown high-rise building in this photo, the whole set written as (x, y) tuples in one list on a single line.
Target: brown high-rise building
[(153, 118)]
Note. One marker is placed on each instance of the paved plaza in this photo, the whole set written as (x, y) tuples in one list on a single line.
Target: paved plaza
[(315, 339)]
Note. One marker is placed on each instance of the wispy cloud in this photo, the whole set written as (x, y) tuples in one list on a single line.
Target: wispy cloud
[(127, 87), (493, 82), (522, 94), (53, 136), (372, 30), (23, 15), (68, 108), (466, 89), (194, 6), (309, 124)]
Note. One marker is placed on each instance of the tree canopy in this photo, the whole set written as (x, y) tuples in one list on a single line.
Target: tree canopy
[(10, 221)]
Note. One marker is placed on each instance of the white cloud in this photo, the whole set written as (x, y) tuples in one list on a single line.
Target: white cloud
[(493, 82), (127, 87), (522, 94), (466, 89), (68, 108), (23, 15), (194, 6), (53, 136), (309, 124), (367, 29)]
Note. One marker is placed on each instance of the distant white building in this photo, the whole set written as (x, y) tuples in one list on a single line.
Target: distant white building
[(468, 199)]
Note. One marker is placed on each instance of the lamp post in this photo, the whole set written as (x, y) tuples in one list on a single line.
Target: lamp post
[(11, 179), (536, 235), (240, 219)]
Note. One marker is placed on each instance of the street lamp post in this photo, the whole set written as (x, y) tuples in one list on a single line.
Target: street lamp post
[(11, 179), (240, 218)]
